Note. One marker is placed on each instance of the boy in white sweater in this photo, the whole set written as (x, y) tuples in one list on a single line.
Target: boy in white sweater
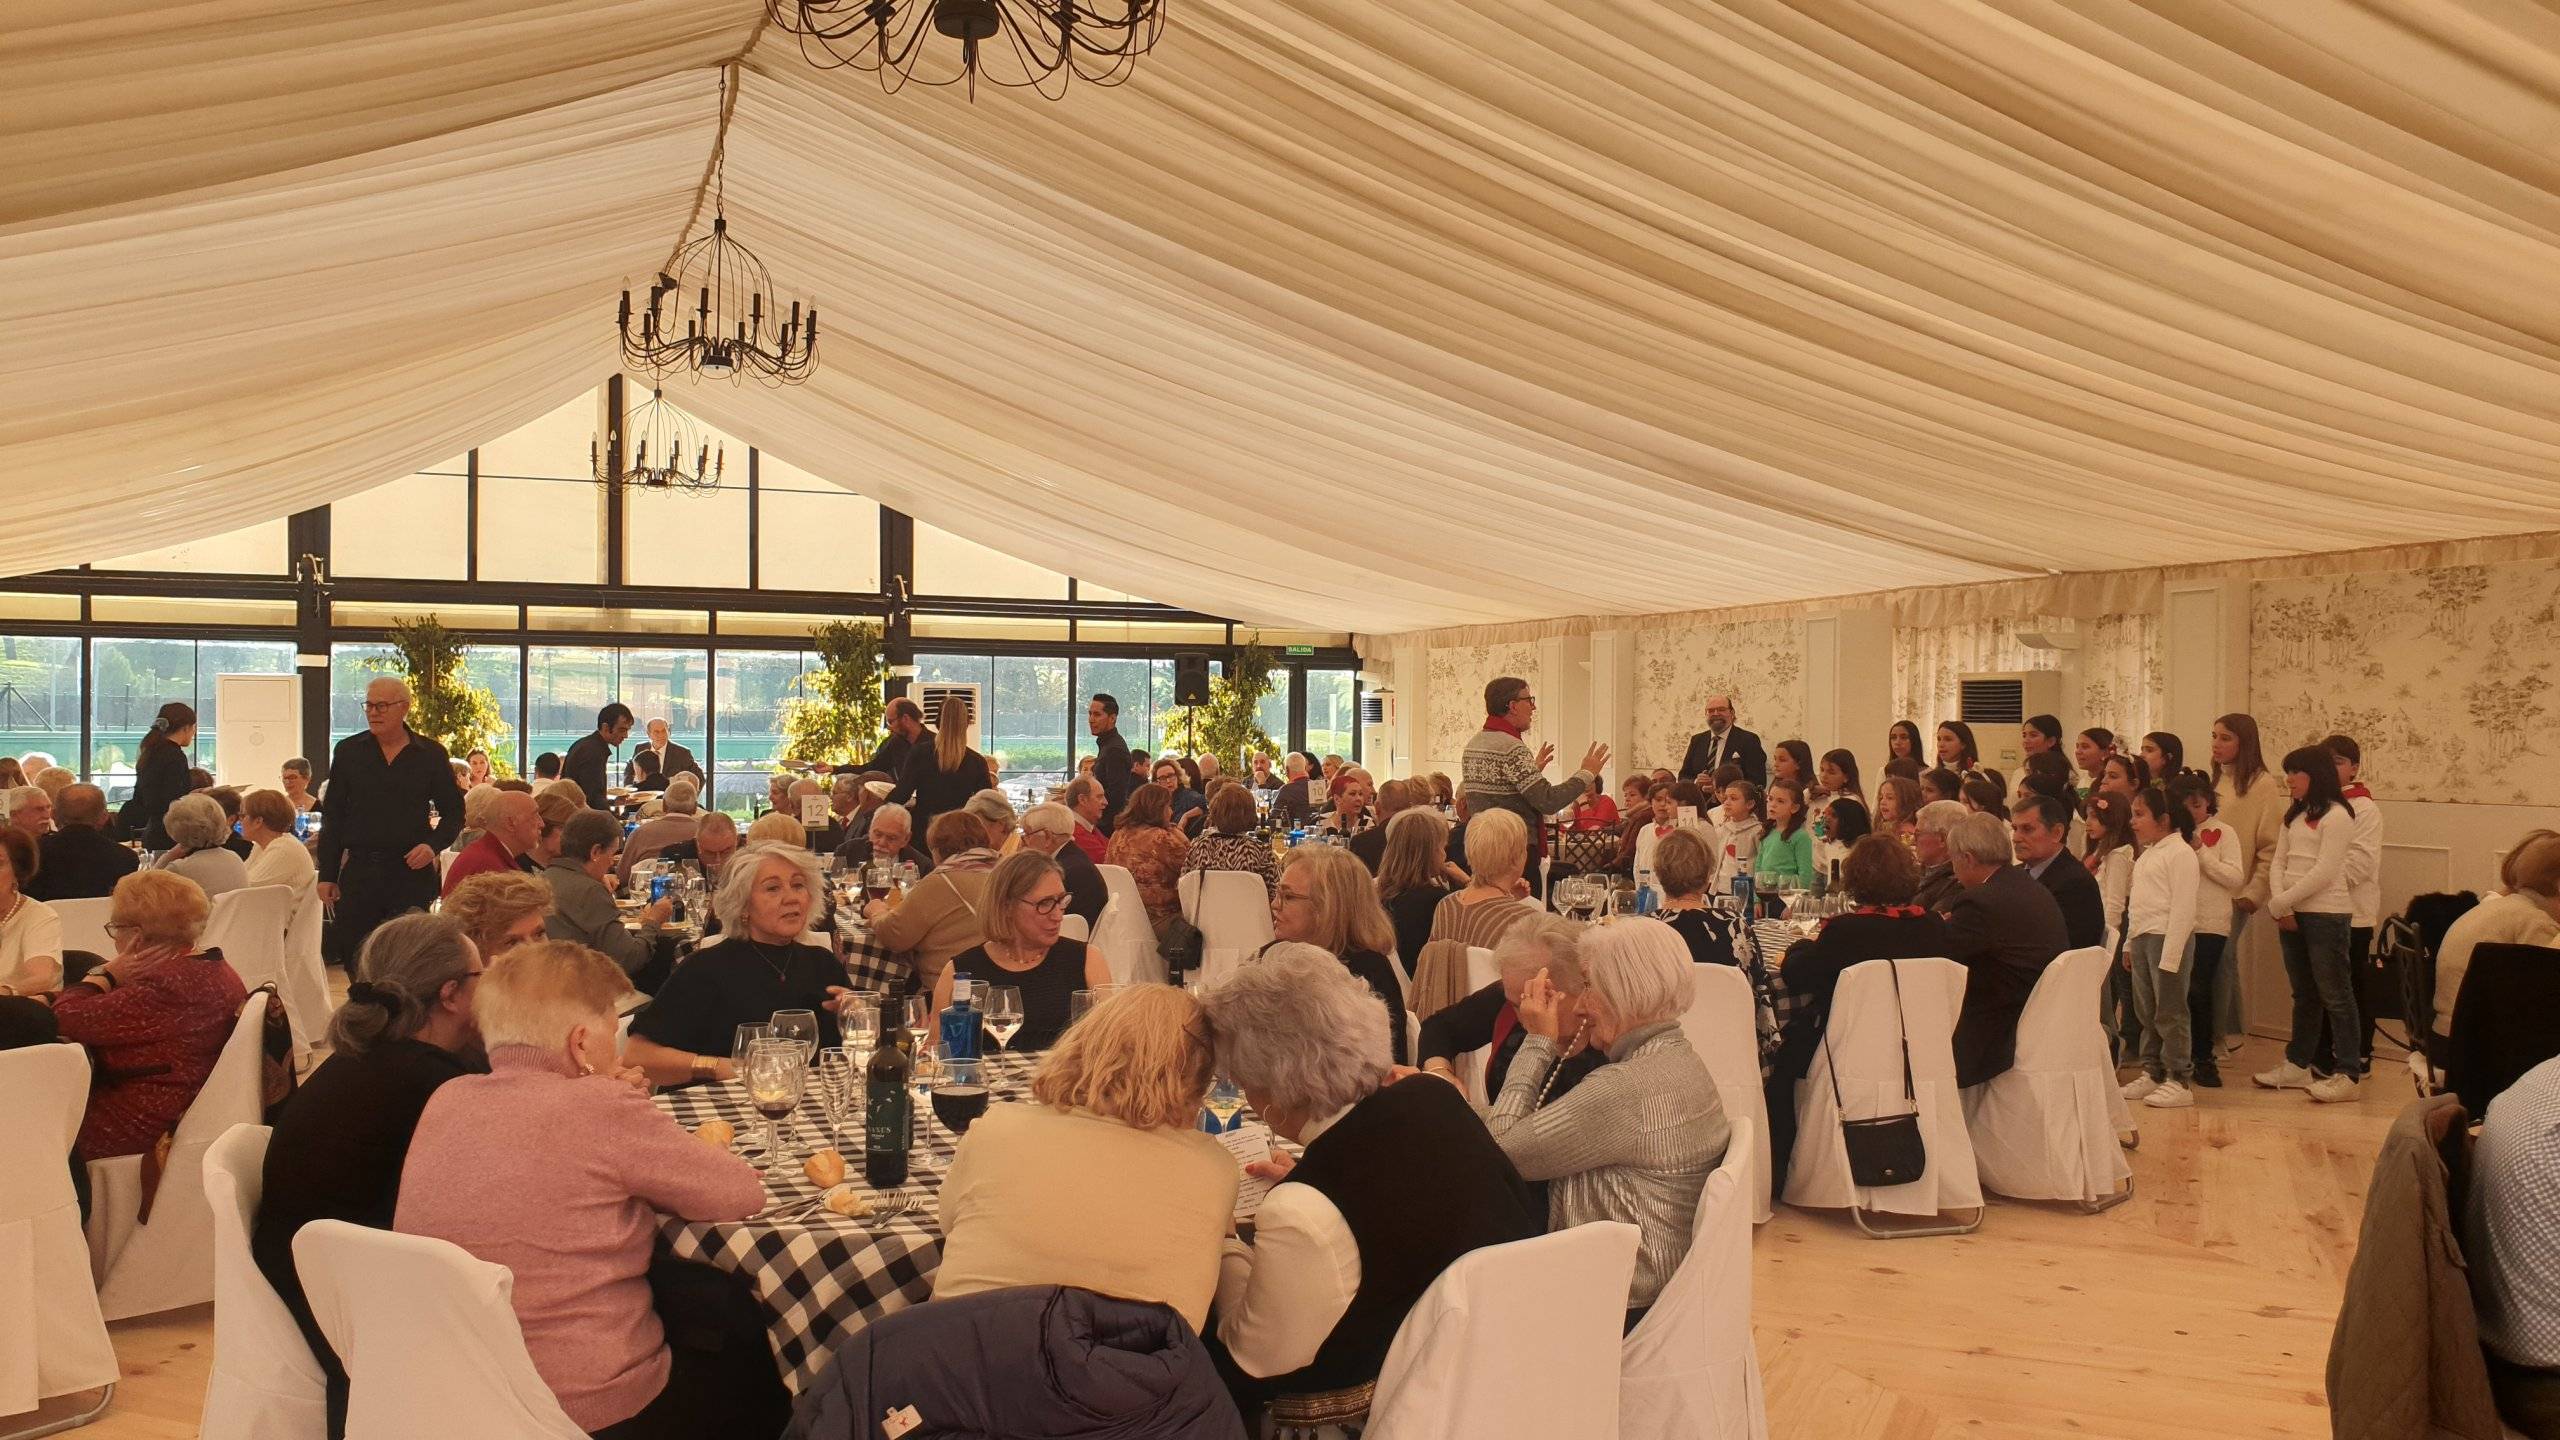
[(2364, 881)]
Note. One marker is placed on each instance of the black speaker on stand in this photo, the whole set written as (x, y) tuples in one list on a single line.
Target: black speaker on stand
[(1191, 678)]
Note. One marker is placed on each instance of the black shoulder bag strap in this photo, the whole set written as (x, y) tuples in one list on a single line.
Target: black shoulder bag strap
[(1888, 1149)]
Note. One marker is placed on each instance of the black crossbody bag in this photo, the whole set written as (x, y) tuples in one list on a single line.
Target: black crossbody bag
[(1888, 1149)]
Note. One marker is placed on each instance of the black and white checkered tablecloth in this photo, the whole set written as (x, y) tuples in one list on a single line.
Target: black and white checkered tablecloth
[(823, 1275)]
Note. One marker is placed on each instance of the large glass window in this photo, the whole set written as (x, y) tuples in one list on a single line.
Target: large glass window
[(497, 669), (946, 564), (1272, 714), (1025, 714), (415, 528), (669, 685), (568, 684), (1125, 681), (40, 694), (1333, 722), (753, 690), (133, 678)]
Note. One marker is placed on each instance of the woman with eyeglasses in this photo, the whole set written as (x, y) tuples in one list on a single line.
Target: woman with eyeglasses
[(1026, 900), (155, 1018), (1326, 899)]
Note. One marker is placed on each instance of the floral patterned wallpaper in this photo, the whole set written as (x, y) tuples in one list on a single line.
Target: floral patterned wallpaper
[(2443, 676), (1453, 692), (2119, 669), (1760, 663)]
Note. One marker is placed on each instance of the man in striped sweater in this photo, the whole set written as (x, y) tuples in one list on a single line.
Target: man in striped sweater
[(1501, 774)]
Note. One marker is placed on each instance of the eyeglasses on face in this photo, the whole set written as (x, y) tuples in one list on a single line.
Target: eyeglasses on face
[(1287, 896), (1053, 905), (375, 707)]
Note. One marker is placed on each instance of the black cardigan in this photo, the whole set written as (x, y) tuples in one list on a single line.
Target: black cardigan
[(1468, 1025), (159, 777), (928, 790)]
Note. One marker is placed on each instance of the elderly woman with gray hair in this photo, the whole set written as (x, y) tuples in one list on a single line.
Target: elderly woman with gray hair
[(1397, 1181), (767, 897), (1636, 1139), (197, 829), (1490, 1018)]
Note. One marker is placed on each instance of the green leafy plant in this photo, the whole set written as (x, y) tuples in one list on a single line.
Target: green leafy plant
[(445, 706), (1229, 726), (835, 720)]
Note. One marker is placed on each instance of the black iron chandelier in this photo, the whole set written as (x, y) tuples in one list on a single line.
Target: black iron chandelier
[(1022, 44), (713, 309), (660, 448)]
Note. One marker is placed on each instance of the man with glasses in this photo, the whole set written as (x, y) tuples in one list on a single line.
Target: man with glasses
[(1501, 774), (391, 806), (1724, 743)]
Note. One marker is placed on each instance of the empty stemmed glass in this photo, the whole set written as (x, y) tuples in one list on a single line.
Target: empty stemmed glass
[(839, 1083), (745, 1040), (775, 1074), (800, 1025), (1004, 1013)]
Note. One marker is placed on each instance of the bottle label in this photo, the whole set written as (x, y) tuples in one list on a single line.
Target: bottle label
[(888, 1129)]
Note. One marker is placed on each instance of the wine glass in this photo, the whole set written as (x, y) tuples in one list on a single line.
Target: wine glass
[(745, 1040), (1079, 1003), (959, 1095), (858, 1017), (1226, 1101), (799, 1025), (775, 1074), (839, 1081), (922, 1022), (922, 1076), (1004, 1014)]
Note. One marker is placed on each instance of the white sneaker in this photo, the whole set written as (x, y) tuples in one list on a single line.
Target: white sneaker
[(2170, 1096), (2139, 1087), (2329, 1088), (2287, 1076)]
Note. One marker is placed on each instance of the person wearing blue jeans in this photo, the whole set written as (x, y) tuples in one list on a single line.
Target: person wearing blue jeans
[(2313, 911)]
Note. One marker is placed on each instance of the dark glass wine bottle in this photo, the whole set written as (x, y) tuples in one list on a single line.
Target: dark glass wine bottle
[(888, 1109)]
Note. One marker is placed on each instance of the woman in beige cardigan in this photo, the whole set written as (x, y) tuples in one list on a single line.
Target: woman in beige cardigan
[(2252, 802), (941, 915)]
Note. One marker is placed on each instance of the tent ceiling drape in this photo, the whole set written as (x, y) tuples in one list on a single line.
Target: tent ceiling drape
[(1353, 316)]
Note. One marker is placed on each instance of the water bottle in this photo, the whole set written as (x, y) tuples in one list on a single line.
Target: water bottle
[(960, 1024), (658, 887), (1746, 895)]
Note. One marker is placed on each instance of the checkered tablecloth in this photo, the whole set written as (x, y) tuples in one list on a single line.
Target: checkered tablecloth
[(824, 1275)]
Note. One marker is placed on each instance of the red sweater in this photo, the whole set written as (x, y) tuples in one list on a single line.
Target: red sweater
[(484, 856), (153, 1040)]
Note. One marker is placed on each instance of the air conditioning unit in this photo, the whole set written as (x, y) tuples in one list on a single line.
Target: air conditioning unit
[(930, 694), (1378, 708), (1997, 705), (1378, 730)]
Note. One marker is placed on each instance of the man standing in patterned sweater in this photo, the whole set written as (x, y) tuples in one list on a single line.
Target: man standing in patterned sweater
[(1501, 774)]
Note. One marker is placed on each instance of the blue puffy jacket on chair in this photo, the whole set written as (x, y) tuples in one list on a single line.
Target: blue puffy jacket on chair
[(1036, 1363)]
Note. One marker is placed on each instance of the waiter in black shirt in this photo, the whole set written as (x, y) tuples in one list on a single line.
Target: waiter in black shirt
[(590, 756), (391, 806)]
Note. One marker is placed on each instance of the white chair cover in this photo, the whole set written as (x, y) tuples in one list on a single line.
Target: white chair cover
[(1513, 1342), (1231, 907), (1123, 934), (168, 1263), (53, 1340), (1076, 928), (84, 925), (266, 1384), (1689, 1371), (2043, 1129), (428, 1336), (1723, 1026), (306, 972), (248, 927), (1482, 970), (1860, 1037)]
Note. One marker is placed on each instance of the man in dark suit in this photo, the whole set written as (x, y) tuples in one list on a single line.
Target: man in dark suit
[(1111, 763), (2040, 825), (77, 861), (591, 756), (673, 759), (2006, 929), (907, 736), (1051, 830), (1723, 743)]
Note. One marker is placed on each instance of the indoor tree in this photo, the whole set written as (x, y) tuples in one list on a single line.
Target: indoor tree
[(835, 720), (1229, 726), (444, 705)]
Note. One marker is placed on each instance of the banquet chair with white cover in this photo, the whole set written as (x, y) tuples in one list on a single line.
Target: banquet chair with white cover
[(1689, 1370), (84, 924), (1123, 935), (53, 1339), (1076, 928), (305, 986), (1860, 1038), (2043, 1128), (266, 1384), (167, 1263), (1513, 1342), (428, 1336), (1482, 970), (248, 926), (1231, 907), (1723, 1026)]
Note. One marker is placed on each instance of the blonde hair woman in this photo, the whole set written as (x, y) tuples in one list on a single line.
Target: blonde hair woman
[(500, 912), (1326, 899), (1105, 1183), (941, 780), (1494, 900), (1026, 900), (1413, 878)]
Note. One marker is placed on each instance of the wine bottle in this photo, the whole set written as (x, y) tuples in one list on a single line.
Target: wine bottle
[(888, 1128)]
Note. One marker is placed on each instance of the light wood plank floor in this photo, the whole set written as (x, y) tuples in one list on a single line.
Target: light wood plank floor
[(2201, 1307)]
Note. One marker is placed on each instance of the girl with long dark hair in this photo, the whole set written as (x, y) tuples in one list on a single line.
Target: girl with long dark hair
[(160, 774), (2252, 803), (2165, 754), (2041, 735), (2160, 920), (1902, 742), (2307, 895), (1956, 750)]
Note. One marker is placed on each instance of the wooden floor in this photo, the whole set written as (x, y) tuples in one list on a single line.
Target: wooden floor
[(2200, 1308)]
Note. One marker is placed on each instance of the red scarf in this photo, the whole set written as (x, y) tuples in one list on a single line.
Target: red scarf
[(1501, 723)]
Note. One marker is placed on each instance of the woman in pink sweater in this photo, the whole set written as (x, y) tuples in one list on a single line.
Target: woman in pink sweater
[(555, 1165)]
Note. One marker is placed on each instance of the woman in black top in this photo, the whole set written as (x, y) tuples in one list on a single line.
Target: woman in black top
[(1413, 878), (1026, 898), (1326, 899), (1682, 866), (160, 774), (1490, 1016), (940, 780), (767, 897), (340, 1142)]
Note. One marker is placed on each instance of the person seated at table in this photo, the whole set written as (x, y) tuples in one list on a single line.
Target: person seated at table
[(1167, 775), (647, 771), (2004, 927), (1106, 1183), (1084, 799), (995, 814), (1881, 877), (30, 949), (765, 903), (1347, 811), (1683, 869), (555, 1165), (1401, 1174), (1490, 1018), (1635, 1140), (196, 831), (1227, 842), (339, 1143), (1326, 899), (581, 880), (275, 857), (80, 862), (229, 799), (509, 824), (155, 1017), (714, 840), (1479, 915), (295, 777), (499, 911), (1929, 844), (1049, 830), (1414, 876), (2508, 1214), (1144, 842), (679, 819), (890, 835), (940, 916), (1592, 810), (1026, 898), (2528, 913)]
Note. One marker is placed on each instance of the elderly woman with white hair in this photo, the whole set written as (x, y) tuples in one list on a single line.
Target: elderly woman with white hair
[(1635, 1140), (768, 894), (1397, 1181), (1490, 1018), (196, 831), (1050, 830), (1938, 887), (995, 812)]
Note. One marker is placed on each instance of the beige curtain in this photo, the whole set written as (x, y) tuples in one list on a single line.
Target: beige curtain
[(2117, 657)]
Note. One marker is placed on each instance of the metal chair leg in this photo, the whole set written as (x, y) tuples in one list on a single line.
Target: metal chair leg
[(106, 1397), (2107, 1203), (1913, 1232)]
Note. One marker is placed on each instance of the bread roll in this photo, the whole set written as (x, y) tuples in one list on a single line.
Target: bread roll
[(718, 1133), (824, 1168)]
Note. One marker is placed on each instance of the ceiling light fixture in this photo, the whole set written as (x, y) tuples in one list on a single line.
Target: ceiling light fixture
[(1018, 44), (663, 449)]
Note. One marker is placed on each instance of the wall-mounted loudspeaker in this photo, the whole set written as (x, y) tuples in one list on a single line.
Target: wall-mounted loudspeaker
[(1190, 678)]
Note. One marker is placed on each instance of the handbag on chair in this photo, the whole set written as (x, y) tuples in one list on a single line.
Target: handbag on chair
[(1886, 1149)]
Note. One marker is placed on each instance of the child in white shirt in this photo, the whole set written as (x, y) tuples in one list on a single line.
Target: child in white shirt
[(2222, 868), (2160, 919)]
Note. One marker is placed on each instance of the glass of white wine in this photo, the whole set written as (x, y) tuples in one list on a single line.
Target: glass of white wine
[(1004, 1013), (859, 1020), (775, 1074), (1226, 1101)]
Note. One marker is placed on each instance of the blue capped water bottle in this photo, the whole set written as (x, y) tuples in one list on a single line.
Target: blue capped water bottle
[(960, 1024), (1746, 895)]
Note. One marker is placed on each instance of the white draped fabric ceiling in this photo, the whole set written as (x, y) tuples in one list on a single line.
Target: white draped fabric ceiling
[(1348, 315)]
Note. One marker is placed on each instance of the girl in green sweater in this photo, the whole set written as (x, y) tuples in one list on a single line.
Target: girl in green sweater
[(1786, 848)]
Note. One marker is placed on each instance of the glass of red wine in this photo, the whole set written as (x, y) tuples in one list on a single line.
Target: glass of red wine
[(960, 1095)]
